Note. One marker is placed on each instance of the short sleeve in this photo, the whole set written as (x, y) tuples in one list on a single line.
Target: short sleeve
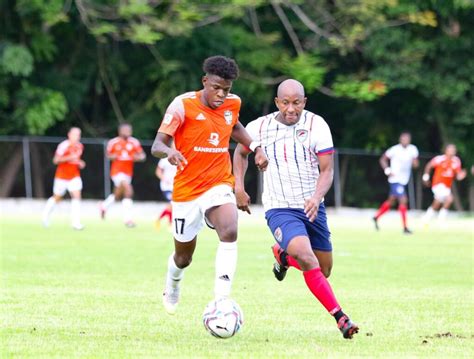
[(322, 138), (138, 146), (173, 117), (62, 148), (110, 147), (253, 129), (390, 152), (415, 152)]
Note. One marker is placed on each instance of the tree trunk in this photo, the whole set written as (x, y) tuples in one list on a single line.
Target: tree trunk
[(9, 173)]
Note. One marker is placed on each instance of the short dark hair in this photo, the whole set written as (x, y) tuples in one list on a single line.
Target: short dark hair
[(221, 66)]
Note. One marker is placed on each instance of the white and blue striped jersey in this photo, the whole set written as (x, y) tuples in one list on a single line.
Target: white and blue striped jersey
[(292, 151)]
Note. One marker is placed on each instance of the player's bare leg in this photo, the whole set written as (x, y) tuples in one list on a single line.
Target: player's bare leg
[(76, 210), (117, 195), (49, 207), (177, 262), (224, 219), (443, 212), (127, 204), (384, 208), (435, 206), (300, 249)]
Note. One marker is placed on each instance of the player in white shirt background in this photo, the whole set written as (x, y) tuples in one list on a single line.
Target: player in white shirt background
[(165, 172), (397, 163), (299, 148)]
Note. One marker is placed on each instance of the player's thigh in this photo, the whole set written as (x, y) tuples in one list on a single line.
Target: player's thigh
[(285, 225), (59, 187), (325, 261), (74, 187), (299, 248), (188, 220), (223, 219)]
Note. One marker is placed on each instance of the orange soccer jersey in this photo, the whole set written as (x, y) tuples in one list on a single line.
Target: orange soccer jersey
[(69, 170), (124, 150), (202, 135), (445, 169)]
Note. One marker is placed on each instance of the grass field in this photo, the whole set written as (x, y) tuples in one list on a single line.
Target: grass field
[(97, 293)]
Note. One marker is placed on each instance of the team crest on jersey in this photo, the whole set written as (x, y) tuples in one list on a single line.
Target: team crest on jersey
[(278, 234), (301, 135), (228, 117)]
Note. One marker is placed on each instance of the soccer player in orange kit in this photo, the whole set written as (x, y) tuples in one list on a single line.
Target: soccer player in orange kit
[(202, 124)]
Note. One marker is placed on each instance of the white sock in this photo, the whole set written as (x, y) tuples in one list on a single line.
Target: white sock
[(175, 274), (48, 209), (108, 201), (76, 212), (443, 213), (226, 263), (429, 214), (127, 204)]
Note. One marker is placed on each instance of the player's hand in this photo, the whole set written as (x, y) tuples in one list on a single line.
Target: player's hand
[(177, 159), (261, 160), (311, 206), (243, 200), (461, 175), (81, 164)]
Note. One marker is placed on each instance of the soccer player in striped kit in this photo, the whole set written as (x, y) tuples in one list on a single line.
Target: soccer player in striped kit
[(299, 147)]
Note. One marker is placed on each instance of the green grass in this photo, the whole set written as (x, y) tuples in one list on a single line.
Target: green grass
[(97, 293)]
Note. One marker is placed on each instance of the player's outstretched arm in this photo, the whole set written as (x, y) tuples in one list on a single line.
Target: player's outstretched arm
[(324, 183), (161, 149), (240, 135), (240, 165)]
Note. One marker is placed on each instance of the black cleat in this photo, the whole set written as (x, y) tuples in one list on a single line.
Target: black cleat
[(376, 223), (407, 231), (347, 328), (281, 266)]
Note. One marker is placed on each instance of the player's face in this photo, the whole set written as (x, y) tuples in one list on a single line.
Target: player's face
[(74, 135), (215, 90), (405, 139), (450, 150), (125, 131), (290, 106)]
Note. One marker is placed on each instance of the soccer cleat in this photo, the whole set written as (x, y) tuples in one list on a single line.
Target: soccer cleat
[(376, 223), (171, 299), (102, 211), (407, 231), (130, 224), (347, 328), (281, 266), (78, 227)]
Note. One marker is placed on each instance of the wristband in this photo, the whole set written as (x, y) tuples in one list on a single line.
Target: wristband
[(253, 145), (387, 171), (426, 177)]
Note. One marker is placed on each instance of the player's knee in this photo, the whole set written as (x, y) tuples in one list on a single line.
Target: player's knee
[(183, 260), (228, 234), (326, 270), (307, 261)]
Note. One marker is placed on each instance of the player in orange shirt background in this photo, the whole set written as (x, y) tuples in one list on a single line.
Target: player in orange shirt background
[(67, 177), (447, 167), (123, 150), (201, 123)]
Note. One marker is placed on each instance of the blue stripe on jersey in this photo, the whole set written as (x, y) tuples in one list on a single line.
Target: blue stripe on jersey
[(326, 150)]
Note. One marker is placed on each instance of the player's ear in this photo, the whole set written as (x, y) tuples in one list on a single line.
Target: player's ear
[(304, 101), (276, 102), (204, 80)]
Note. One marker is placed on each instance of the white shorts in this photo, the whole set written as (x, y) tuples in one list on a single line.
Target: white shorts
[(60, 186), (441, 192), (121, 177), (189, 217)]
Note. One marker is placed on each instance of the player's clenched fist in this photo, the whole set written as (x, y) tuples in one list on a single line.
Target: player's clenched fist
[(261, 160)]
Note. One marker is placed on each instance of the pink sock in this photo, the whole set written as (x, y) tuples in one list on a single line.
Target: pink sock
[(321, 289), (292, 262)]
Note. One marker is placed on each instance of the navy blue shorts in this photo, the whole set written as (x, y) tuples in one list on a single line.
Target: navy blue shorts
[(167, 195), (397, 190), (288, 223)]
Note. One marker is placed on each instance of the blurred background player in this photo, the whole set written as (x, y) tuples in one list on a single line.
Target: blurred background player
[(201, 124), (299, 146), (165, 171), (68, 177), (397, 163), (123, 150), (446, 167)]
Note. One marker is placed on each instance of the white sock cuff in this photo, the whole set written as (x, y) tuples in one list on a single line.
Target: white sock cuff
[(127, 201), (228, 245)]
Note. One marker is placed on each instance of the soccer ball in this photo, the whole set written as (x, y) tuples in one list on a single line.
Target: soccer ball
[(223, 318)]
